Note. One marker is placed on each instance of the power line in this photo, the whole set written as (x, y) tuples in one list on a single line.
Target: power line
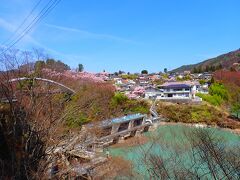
[(34, 21), (23, 22), (44, 12)]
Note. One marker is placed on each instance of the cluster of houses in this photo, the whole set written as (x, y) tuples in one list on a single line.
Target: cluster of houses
[(166, 87), (82, 155)]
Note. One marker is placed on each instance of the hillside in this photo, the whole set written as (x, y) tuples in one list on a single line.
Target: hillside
[(223, 61)]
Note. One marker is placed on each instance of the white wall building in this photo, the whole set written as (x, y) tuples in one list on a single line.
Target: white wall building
[(152, 93), (179, 90)]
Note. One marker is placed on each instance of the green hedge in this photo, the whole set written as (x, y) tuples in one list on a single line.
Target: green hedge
[(212, 99), (217, 94), (219, 90)]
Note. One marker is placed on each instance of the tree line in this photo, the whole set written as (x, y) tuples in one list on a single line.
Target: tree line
[(207, 68)]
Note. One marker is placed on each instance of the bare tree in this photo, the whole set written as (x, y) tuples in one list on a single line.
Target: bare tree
[(29, 120), (199, 154)]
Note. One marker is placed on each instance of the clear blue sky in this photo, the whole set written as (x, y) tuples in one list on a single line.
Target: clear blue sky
[(129, 35)]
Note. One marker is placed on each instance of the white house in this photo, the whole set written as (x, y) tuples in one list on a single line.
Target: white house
[(118, 81), (179, 90), (152, 92), (203, 88)]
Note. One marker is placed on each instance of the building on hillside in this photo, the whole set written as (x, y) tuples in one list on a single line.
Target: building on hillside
[(206, 76), (132, 82), (203, 89), (125, 85), (143, 80), (153, 93), (121, 126), (144, 83), (187, 72), (154, 77), (135, 92), (104, 75), (118, 80), (173, 91)]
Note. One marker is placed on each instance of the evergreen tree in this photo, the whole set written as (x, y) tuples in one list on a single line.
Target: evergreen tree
[(165, 70), (39, 65), (144, 72), (212, 80), (219, 67), (212, 68), (194, 70), (80, 68), (207, 68), (121, 72), (199, 69)]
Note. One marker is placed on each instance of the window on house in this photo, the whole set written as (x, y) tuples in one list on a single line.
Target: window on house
[(178, 89)]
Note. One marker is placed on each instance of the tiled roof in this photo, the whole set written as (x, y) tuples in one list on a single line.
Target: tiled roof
[(179, 84)]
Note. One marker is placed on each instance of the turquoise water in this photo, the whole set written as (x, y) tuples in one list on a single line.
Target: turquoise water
[(166, 141)]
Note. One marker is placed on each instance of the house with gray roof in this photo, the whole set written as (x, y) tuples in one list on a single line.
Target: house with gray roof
[(183, 91)]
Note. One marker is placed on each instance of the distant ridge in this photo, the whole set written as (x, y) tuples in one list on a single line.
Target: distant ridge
[(225, 61)]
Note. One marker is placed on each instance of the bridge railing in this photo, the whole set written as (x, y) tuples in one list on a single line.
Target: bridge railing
[(44, 80)]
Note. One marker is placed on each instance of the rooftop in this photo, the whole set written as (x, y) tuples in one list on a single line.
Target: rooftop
[(127, 118), (176, 84), (119, 120)]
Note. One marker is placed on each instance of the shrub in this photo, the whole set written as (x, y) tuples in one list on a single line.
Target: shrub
[(190, 113), (214, 100), (218, 93), (90, 103), (202, 81), (201, 114), (235, 110), (96, 103), (121, 103), (76, 119), (118, 99), (136, 106), (129, 76), (219, 90)]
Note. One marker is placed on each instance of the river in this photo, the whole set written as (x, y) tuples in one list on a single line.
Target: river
[(165, 141)]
